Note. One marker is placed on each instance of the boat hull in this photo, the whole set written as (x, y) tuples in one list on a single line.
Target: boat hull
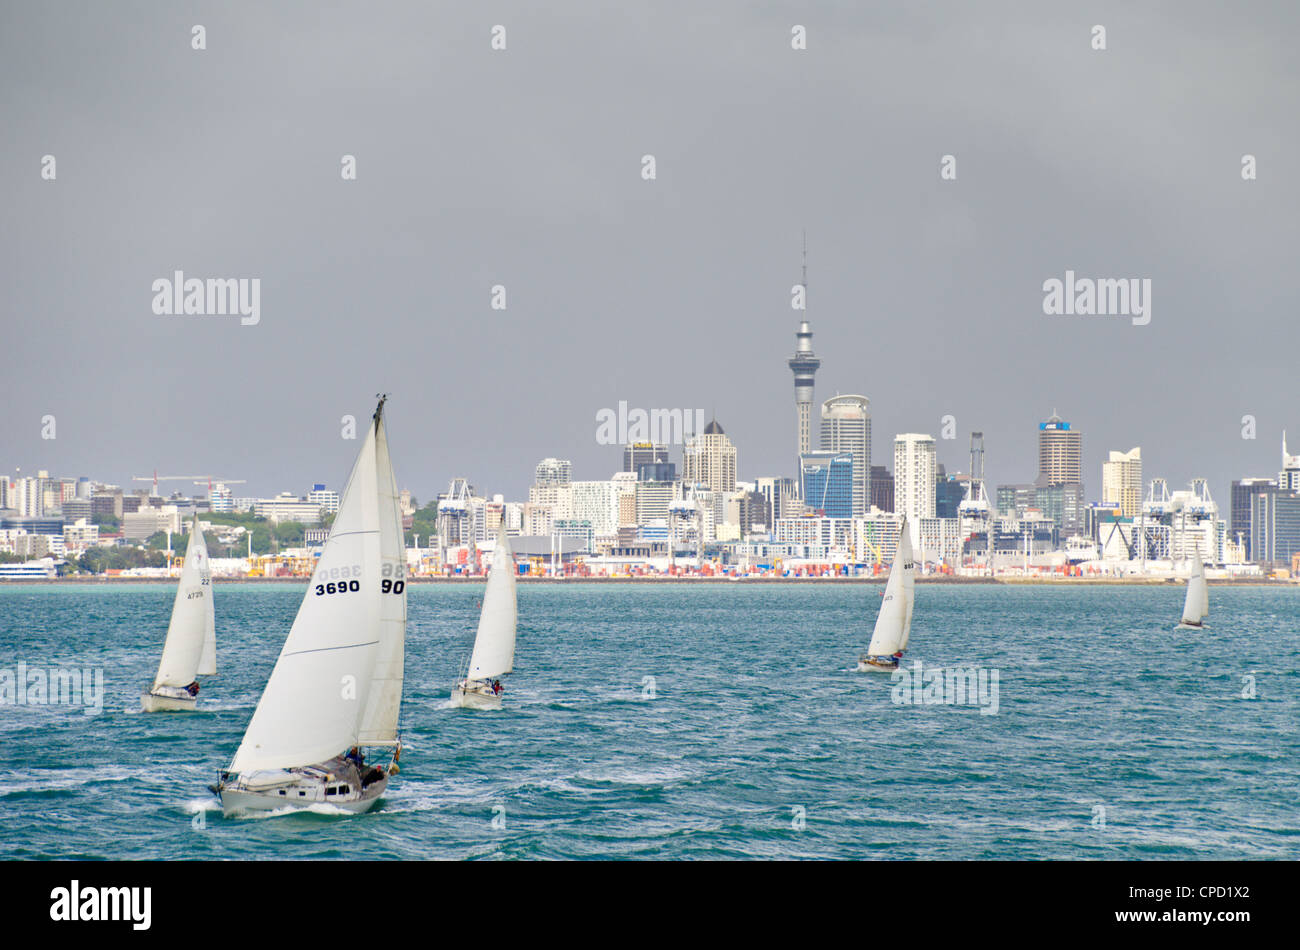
[(463, 698), (153, 702), (869, 665), (298, 789), (1184, 625)]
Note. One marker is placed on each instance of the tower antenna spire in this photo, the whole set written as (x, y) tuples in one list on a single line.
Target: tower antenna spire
[(804, 280)]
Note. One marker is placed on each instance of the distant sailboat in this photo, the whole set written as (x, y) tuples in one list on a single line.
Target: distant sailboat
[(494, 646), (191, 646), (336, 689), (894, 622), (1196, 606)]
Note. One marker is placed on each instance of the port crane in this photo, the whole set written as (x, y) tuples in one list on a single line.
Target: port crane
[(195, 479)]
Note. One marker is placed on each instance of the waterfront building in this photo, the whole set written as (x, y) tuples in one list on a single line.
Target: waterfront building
[(781, 495), (915, 472), (553, 471), (636, 454), (846, 427), (882, 488), (1121, 481), (710, 459), (826, 479), (1244, 491)]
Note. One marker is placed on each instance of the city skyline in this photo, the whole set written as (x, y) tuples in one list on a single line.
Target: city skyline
[(926, 293)]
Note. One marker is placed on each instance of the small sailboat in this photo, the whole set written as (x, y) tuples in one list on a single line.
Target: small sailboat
[(1196, 606), (190, 649), (494, 646), (894, 622), (336, 689)]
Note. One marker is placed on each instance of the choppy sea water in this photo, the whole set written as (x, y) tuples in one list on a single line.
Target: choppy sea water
[(1114, 736)]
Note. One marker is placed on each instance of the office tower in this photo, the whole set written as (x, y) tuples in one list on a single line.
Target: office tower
[(327, 499), (1244, 491), (781, 495), (709, 459), (882, 488), (636, 454), (1274, 526), (552, 471), (657, 472), (915, 471), (949, 493), (1121, 481), (846, 427), (1060, 450), (827, 480), (1289, 478)]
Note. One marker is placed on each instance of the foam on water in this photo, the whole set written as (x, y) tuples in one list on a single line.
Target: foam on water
[(758, 711)]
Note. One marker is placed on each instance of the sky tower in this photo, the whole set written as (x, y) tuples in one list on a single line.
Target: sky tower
[(804, 366)]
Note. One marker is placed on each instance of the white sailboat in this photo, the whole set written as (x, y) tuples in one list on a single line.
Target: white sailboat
[(494, 646), (1196, 606), (894, 622), (190, 649), (336, 688)]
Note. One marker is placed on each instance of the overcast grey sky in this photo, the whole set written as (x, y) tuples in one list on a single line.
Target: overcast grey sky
[(522, 167)]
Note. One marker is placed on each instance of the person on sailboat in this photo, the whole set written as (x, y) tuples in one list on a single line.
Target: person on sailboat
[(496, 687), (193, 688), (356, 757)]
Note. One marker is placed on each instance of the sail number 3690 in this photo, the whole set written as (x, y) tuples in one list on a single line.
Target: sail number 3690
[(391, 584)]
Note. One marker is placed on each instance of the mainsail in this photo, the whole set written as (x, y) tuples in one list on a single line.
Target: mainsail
[(1197, 605), (338, 679), (894, 622), (191, 626), (494, 646)]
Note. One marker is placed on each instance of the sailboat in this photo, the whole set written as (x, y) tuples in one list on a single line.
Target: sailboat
[(894, 622), (190, 649), (494, 646), (336, 689), (1196, 607)]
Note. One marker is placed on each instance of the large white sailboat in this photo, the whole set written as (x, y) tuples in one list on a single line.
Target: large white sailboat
[(1196, 606), (190, 649), (336, 689), (494, 646), (894, 622)]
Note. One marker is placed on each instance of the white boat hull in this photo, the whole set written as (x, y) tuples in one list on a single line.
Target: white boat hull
[(865, 665), (328, 784), (154, 702), (1184, 625), (468, 697)]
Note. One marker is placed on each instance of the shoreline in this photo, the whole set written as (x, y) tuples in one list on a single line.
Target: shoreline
[(878, 580)]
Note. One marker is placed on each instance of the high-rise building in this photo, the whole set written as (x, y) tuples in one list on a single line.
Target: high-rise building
[(1121, 481), (846, 427), (827, 479), (1060, 452), (949, 492), (1244, 491), (553, 471), (636, 454), (657, 472), (1274, 526), (915, 471), (781, 495), (1289, 478), (709, 459), (882, 488)]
